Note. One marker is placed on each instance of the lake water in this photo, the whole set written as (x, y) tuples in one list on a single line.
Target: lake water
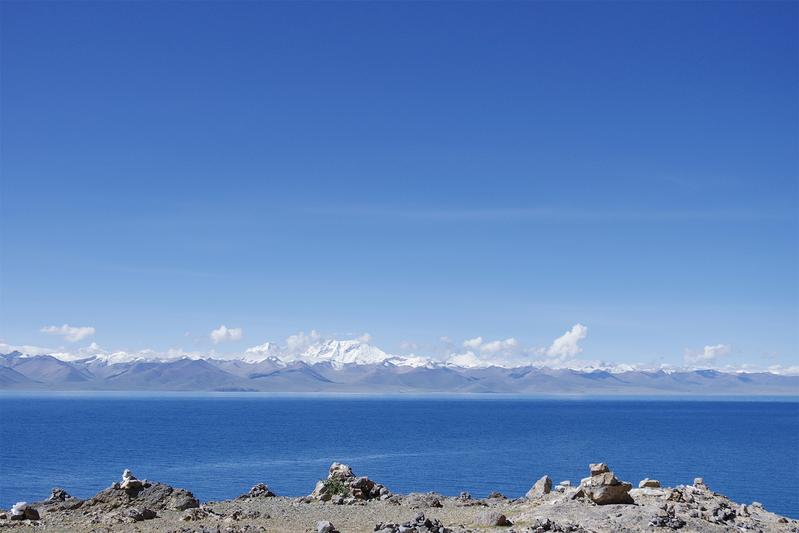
[(219, 445)]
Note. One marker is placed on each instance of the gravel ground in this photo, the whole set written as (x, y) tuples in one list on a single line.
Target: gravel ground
[(279, 514)]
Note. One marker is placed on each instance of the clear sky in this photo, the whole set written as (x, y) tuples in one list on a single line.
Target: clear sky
[(410, 170)]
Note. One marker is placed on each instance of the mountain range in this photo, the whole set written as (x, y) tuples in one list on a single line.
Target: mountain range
[(348, 366)]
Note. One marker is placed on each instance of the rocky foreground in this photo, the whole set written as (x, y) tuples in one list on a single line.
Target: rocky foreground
[(344, 502)]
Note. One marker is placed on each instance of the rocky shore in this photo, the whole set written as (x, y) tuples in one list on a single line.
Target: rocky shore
[(344, 502)]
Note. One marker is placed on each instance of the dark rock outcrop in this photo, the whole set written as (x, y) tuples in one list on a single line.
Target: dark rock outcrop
[(59, 500), (142, 494), (23, 511), (420, 524)]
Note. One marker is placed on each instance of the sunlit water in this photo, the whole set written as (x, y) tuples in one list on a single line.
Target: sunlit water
[(220, 445)]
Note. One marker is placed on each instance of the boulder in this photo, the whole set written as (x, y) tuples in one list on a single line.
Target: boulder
[(540, 488), (598, 468), (140, 514), (261, 490), (699, 483), (605, 488), (416, 500), (647, 483), (339, 470), (496, 495), (23, 511), (492, 519), (324, 526)]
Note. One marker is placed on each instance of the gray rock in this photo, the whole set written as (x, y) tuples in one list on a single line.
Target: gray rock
[(420, 524), (59, 500), (541, 487), (129, 481), (138, 515), (666, 518), (324, 526), (241, 514), (598, 468), (492, 519), (59, 495), (339, 470), (417, 500), (605, 489), (192, 515), (23, 511), (342, 484), (157, 496), (261, 490), (647, 483)]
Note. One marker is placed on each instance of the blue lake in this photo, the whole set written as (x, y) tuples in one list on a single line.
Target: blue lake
[(219, 445)]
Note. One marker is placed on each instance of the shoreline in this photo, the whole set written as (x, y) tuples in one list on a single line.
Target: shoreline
[(345, 502), (143, 394)]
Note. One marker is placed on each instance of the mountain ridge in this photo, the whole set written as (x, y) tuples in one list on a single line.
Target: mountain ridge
[(45, 372)]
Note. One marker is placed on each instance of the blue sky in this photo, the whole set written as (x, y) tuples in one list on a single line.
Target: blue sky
[(410, 170)]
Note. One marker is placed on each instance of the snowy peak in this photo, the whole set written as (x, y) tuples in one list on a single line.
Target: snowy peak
[(262, 352), (344, 352)]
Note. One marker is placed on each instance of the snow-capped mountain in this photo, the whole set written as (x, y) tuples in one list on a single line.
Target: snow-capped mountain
[(335, 352), (350, 366), (344, 352), (262, 352)]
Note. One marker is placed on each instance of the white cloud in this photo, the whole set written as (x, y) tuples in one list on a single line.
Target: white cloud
[(479, 352), (493, 347), (473, 344), (568, 344), (70, 333), (468, 360), (710, 354), (366, 338), (298, 343), (223, 333)]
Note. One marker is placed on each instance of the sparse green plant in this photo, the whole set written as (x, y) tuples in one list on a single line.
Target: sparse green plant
[(336, 487)]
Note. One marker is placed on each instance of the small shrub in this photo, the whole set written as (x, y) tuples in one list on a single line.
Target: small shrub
[(336, 487)]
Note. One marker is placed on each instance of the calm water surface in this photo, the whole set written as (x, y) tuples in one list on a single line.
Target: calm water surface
[(218, 446)]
